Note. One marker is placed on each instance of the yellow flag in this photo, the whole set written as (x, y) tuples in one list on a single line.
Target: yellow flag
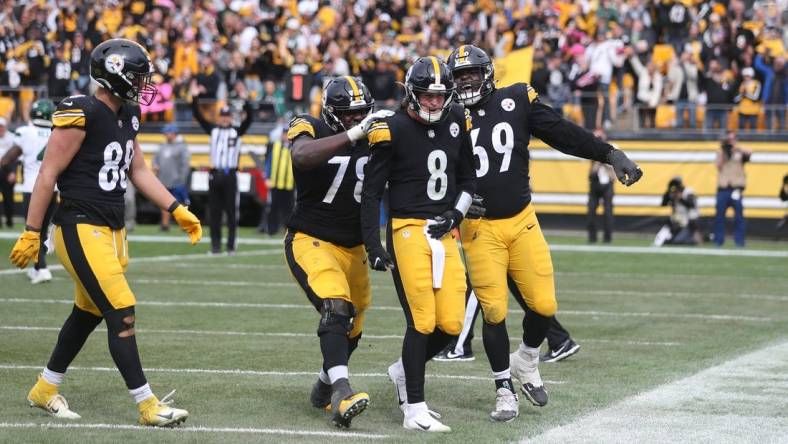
[(514, 67)]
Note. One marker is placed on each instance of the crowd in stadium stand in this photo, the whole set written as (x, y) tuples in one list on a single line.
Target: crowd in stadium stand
[(598, 60)]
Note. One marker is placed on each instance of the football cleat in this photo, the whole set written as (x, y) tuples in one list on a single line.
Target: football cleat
[(423, 420), (41, 275), (320, 397), (525, 367), (565, 350), (159, 413), (448, 355), (397, 376), (46, 397), (507, 406), (345, 404)]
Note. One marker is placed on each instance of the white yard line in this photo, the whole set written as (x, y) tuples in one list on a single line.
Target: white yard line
[(218, 371), (700, 316), (742, 400), (32, 328), (677, 294), (187, 429)]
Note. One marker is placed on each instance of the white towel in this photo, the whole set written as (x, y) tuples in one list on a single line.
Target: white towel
[(438, 256)]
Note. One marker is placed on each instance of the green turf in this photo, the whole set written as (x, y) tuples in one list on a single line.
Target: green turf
[(638, 317)]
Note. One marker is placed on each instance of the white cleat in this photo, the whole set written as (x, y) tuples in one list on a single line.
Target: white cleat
[(42, 275), (45, 396), (525, 367), (423, 420), (507, 405)]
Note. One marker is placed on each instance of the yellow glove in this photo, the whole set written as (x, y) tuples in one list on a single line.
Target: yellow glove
[(189, 223), (26, 248)]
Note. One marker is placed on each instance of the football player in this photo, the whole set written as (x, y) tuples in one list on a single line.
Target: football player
[(91, 155), (424, 153), (508, 239), (29, 144), (323, 245)]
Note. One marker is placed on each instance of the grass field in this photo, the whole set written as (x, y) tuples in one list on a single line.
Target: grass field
[(235, 336)]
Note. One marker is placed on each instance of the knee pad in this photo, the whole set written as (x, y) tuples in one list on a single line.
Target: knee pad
[(546, 307), (336, 316), (121, 322), (451, 328)]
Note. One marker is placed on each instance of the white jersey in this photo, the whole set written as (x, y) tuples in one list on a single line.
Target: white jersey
[(32, 140)]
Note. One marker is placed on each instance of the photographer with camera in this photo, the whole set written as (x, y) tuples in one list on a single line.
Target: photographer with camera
[(683, 227), (731, 181)]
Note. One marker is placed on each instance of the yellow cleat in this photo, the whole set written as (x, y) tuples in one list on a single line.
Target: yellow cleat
[(346, 404), (46, 397), (159, 413)]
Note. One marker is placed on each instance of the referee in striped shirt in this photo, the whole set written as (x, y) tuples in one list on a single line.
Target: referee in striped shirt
[(223, 183)]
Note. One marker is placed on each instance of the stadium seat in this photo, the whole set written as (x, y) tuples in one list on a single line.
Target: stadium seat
[(666, 116)]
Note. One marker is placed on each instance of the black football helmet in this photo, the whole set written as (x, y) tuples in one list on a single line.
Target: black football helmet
[(41, 112), (471, 57), (429, 75), (124, 68), (342, 95)]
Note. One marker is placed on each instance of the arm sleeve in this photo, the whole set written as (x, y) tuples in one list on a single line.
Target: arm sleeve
[(206, 125), (545, 123), (376, 174), (247, 120)]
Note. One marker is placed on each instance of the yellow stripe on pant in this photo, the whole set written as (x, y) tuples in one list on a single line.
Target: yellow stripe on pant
[(96, 257), (426, 307), (514, 246), (328, 271)]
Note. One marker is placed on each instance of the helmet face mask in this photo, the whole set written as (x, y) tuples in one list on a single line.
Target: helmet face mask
[(428, 75), (346, 101), (464, 59), (124, 68)]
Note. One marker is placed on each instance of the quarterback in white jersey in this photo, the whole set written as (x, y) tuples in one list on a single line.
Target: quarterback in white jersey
[(29, 144)]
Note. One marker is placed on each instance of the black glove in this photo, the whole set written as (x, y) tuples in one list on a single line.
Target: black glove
[(476, 210), (444, 223), (626, 170), (379, 259)]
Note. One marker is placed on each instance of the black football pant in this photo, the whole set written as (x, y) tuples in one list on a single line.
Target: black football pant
[(605, 194), (223, 199), (556, 333), (42, 251), (7, 190), (281, 207)]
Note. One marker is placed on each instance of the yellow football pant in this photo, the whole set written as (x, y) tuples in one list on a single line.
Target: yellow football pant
[(514, 246), (96, 257), (328, 271), (426, 307)]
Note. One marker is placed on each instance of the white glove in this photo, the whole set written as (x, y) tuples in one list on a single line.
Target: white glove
[(360, 131)]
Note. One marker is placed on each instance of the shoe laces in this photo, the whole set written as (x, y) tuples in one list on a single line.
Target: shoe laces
[(58, 398), (166, 400), (505, 400)]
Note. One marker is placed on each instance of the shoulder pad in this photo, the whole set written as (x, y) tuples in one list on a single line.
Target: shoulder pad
[(300, 125), (378, 133), (71, 113)]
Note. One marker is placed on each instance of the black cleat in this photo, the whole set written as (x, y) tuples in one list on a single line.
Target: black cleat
[(321, 395), (565, 350)]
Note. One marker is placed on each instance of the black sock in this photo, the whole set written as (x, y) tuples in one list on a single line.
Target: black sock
[(535, 328), (334, 347), (496, 345), (436, 342), (414, 350), (504, 383), (78, 326), (124, 349)]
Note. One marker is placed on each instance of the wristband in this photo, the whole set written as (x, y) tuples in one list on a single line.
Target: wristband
[(173, 206), (463, 202), (33, 229)]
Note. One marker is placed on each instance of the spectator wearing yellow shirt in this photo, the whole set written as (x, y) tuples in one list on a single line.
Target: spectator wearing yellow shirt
[(749, 100)]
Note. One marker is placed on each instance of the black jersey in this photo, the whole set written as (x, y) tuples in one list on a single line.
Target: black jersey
[(426, 165), (93, 185), (502, 127), (328, 197)]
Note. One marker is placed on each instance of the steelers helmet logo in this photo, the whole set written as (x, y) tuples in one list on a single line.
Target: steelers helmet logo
[(507, 104), (114, 63), (454, 129), (135, 123)]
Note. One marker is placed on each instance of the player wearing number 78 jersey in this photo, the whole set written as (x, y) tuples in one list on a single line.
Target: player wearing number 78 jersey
[(508, 239), (323, 244), (93, 154)]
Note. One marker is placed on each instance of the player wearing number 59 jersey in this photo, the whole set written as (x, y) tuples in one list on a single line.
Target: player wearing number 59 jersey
[(323, 243), (508, 239), (424, 153), (92, 154)]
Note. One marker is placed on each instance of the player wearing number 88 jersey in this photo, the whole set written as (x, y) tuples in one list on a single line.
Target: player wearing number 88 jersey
[(323, 244), (424, 153), (91, 156), (508, 239)]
